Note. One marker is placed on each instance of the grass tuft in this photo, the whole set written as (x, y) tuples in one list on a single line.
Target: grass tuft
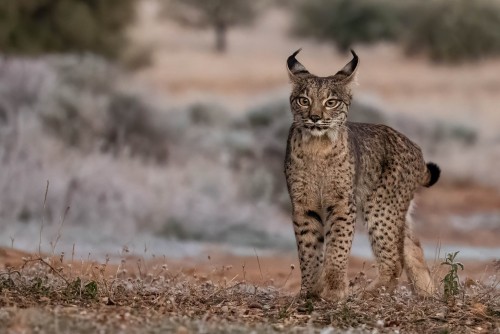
[(451, 280)]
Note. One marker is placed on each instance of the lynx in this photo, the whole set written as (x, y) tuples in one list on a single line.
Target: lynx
[(339, 171)]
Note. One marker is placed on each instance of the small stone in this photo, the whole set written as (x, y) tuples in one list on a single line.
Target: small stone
[(278, 327), (255, 305), (182, 330)]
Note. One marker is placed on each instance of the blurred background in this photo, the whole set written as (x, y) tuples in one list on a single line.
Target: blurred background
[(160, 126)]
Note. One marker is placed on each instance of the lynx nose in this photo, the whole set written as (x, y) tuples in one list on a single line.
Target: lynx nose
[(315, 118)]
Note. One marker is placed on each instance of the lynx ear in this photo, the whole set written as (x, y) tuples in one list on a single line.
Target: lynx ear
[(348, 72), (295, 69)]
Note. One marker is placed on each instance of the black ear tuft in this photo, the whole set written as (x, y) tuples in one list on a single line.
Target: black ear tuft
[(294, 67), (291, 60), (348, 70)]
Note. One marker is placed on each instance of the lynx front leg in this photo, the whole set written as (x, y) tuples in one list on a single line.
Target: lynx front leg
[(340, 220), (308, 229)]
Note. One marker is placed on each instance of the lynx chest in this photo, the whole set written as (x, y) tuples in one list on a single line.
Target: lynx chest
[(318, 164)]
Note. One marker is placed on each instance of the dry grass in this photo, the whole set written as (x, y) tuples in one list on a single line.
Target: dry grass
[(53, 295)]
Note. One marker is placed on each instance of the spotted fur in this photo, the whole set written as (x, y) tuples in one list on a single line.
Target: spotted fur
[(337, 171)]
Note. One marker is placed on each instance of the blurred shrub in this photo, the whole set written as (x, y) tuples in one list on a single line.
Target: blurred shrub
[(134, 125), (85, 107), (240, 143), (270, 113), (88, 73), (448, 31), (365, 111), (458, 133), (434, 135), (208, 114), (258, 185), (71, 119), (136, 57), (269, 122), (177, 229), (345, 22), (44, 26), (455, 30)]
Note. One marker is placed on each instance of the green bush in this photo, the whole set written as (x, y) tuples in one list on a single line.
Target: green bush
[(45, 26), (345, 22), (455, 31)]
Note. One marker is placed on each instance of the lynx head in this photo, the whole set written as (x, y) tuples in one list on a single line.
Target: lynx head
[(320, 104)]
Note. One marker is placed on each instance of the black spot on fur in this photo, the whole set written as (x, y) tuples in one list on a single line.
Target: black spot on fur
[(315, 216)]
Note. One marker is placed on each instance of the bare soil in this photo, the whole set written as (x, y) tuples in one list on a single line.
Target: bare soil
[(223, 294)]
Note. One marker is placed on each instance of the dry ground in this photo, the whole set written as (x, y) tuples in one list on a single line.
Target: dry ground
[(224, 294)]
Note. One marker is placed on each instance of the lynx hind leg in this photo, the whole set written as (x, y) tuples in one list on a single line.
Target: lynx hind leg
[(384, 214), (414, 262)]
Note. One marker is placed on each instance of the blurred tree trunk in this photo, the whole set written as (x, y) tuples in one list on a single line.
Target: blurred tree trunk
[(218, 15), (220, 37)]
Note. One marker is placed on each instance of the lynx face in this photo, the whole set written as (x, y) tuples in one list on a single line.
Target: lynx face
[(320, 104)]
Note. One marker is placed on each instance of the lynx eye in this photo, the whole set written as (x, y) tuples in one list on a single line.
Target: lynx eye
[(303, 101), (333, 104)]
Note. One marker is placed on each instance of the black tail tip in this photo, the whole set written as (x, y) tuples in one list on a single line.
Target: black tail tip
[(435, 172)]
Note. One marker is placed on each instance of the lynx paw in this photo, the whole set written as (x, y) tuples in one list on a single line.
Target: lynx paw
[(310, 293), (378, 287), (334, 294)]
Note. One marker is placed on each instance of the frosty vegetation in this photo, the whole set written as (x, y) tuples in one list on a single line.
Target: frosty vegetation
[(125, 161)]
